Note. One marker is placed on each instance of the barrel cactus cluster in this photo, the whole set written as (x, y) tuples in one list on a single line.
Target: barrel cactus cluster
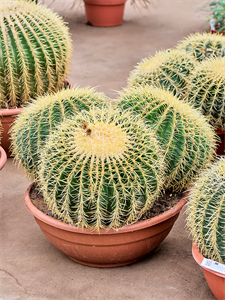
[(33, 126), (102, 168), (35, 52), (184, 134), (206, 212), (167, 69)]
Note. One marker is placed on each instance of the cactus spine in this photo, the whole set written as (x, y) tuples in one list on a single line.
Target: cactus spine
[(187, 139), (34, 124), (35, 52), (207, 90), (101, 169), (167, 69), (206, 212), (203, 45)]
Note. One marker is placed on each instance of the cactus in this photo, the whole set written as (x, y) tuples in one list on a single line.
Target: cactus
[(206, 212), (101, 169), (35, 52), (33, 125), (187, 139), (206, 90), (167, 69), (203, 45)]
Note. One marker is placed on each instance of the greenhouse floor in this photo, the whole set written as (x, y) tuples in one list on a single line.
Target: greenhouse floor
[(31, 268)]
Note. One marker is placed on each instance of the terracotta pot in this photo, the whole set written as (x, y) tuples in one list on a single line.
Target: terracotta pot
[(106, 248), (215, 31), (221, 146), (7, 117), (104, 13), (3, 157), (216, 281)]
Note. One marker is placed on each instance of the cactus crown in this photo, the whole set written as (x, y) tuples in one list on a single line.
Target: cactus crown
[(167, 69), (187, 139), (34, 124), (203, 45), (36, 50), (206, 212), (207, 90), (102, 168)]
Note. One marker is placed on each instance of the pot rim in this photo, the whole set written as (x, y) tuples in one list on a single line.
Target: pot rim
[(10, 111), (128, 228), (220, 131), (3, 157), (199, 258), (105, 2)]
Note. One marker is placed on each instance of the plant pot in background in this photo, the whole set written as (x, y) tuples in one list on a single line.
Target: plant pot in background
[(216, 281), (7, 117), (216, 31), (221, 146), (3, 157), (104, 13), (106, 248)]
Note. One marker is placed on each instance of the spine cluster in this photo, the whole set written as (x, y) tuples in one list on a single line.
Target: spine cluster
[(35, 52), (206, 212), (186, 137)]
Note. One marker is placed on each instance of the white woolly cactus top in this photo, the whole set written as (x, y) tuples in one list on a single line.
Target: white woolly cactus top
[(102, 168)]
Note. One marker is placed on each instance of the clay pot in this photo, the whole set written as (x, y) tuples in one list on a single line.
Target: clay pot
[(221, 146), (216, 32), (104, 13), (216, 281), (106, 248), (7, 117), (3, 157)]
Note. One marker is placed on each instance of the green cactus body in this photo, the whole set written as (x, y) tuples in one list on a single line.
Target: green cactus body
[(207, 90), (32, 127), (101, 169), (35, 50), (167, 69), (203, 45), (206, 212), (187, 139)]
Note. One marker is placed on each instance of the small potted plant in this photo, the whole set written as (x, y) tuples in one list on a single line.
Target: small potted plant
[(205, 219), (206, 93), (217, 17), (36, 50), (107, 13), (101, 171)]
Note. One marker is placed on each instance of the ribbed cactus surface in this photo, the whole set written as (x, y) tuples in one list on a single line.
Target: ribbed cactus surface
[(187, 139), (206, 212), (34, 124), (167, 69), (206, 90), (101, 169), (35, 50), (203, 45)]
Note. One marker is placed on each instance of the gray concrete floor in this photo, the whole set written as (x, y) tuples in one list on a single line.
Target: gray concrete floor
[(31, 268)]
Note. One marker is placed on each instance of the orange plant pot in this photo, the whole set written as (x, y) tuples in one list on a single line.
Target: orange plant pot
[(106, 248), (3, 157), (7, 117), (104, 13), (215, 280), (221, 146), (216, 32)]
